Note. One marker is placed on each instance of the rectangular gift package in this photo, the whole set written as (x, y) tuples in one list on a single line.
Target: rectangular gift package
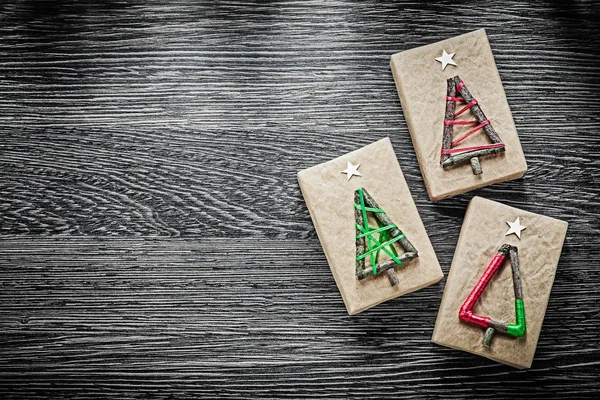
[(329, 196), (422, 87), (482, 234)]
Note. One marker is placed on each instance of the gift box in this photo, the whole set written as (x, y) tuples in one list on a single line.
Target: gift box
[(457, 111), (330, 197)]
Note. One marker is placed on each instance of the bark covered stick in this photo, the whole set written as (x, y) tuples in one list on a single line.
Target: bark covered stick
[(478, 112), (488, 335), (514, 263), (384, 266), (476, 166), (449, 116), (494, 327), (360, 241), (385, 220), (391, 274), (465, 157)]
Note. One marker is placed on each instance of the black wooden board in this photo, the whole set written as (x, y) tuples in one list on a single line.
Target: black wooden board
[(153, 239)]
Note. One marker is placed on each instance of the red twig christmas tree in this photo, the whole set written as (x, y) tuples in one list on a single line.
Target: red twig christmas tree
[(451, 155)]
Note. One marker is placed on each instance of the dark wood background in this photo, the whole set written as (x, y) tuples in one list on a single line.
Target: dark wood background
[(154, 241)]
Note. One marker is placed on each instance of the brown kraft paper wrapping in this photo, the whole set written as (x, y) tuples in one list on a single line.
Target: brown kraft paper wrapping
[(422, 88), (329, 197), (483, 232)]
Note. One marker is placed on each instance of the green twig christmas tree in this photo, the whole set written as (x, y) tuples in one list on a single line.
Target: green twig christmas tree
[(372, 241)]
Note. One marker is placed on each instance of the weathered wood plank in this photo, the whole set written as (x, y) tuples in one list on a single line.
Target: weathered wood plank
[(164, 119), (85, 315), (191, 119)]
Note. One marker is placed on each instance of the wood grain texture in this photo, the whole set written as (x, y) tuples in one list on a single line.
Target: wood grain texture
[(93, 316), (159, 120)]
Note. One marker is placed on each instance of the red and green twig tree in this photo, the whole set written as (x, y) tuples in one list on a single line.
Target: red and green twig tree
[(466, 313)]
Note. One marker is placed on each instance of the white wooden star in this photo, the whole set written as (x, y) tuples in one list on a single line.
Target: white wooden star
[(446, 59), (515, 227), (351, 170)]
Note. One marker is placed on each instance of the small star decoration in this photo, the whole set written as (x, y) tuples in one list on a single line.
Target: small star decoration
[(446, 59), (351, 170), (515, 227)]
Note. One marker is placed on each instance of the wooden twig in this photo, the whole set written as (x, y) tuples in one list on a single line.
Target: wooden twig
[(476, 166), (384, 266), (518, 288), (360, 240), (514, 263), (488, 336), (499, 326), (391, 274), (465, 157), (448, 116)]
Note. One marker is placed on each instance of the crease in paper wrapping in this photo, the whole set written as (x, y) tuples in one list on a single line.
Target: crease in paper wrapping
[(422, 89), (329, 197), (482, 234)]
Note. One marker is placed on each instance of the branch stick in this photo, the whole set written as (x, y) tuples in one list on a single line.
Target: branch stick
[(465, 157), (360, 241), (514, 263), (476, 166), (449, 116), (488, 336), (391, 274), (384, 266)]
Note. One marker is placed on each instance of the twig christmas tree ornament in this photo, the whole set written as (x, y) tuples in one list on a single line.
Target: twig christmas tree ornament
[(370, 242), (483, 309), (369, 226), (467, 314), (432, 118), (457, 92)]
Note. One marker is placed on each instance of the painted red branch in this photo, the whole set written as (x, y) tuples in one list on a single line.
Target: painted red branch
[(466, 311)]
